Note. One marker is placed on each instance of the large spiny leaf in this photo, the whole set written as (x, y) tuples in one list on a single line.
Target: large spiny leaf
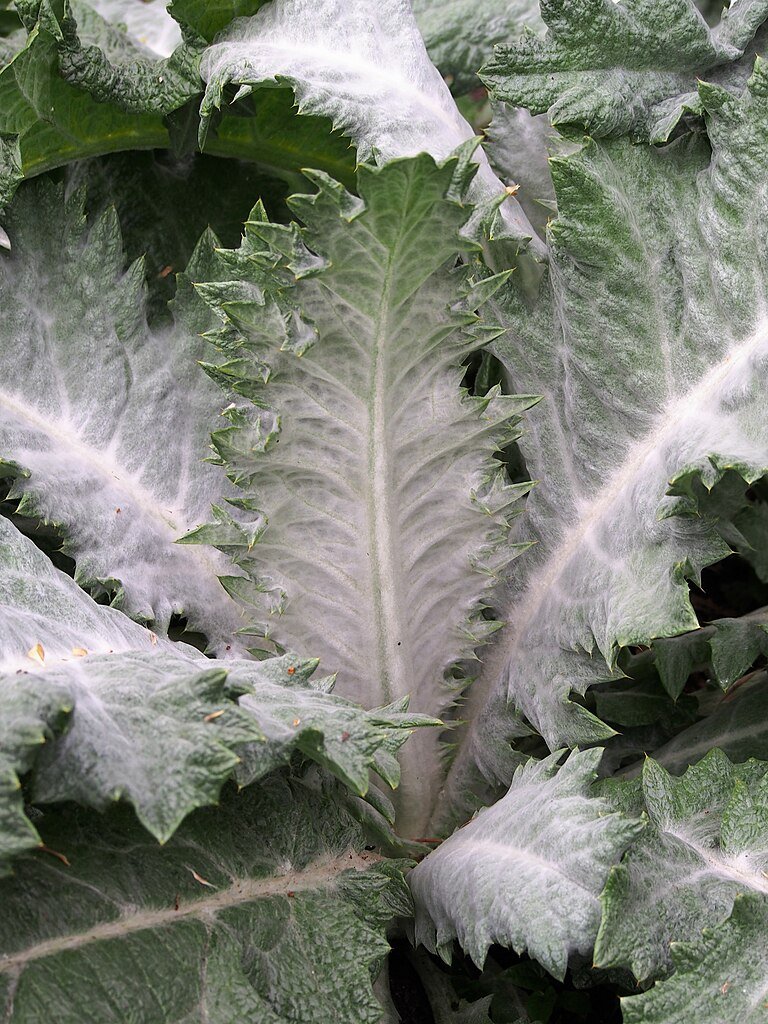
[(706, 842), (650, 344), (626, 67), (98, 708), (105, 424), (363, 64), (526, 872), (720, 976), (383, 515), (267, 909)]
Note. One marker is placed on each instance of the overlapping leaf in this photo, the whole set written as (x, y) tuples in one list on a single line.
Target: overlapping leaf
[(267, 909), (364, 65), (105, 424), (526, 872), (707, 842), (623, 68), (722, 973), (516, 143), (460, 34), (99, 708), (379, 516), (116, 67), (649, 342)]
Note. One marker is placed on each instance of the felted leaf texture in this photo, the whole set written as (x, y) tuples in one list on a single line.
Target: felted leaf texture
[(364, 65), (460, 35), (526, 872), (379, 515), (99, 709), (146, 21), (648, 342), (707, 841), (266, 909), (719, 976), (105, 424), (622, 68)]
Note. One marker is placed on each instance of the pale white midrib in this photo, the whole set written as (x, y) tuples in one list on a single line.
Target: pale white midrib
[(384, 575), (319, 875), (671, 417), (66, 438), (419, 759)]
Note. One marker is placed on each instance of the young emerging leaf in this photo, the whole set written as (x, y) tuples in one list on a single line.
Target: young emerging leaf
[(382, 515)]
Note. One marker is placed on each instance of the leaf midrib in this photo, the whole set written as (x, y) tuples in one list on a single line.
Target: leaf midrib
[(698, 397), (144, 500), (321, 874)]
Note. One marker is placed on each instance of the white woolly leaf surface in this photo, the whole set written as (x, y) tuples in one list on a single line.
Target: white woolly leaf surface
[(526, 872), (104, 422), (649, 343), (147, 21), (383, 514), (363, 64)]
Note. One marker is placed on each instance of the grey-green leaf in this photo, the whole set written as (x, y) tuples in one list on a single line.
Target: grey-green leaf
[(527, 871), (718, 977), (706, 842), (154, 729), (267, 909), (620, 68), (104, 423), (650, 346), (363, 64), (30, 716), (99, 708), (378, 515)]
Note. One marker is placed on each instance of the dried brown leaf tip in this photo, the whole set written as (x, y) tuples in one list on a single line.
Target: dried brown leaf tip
[(55, 853), (200, 879)]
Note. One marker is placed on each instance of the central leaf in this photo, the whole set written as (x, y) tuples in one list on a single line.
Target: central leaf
[(386, 514)]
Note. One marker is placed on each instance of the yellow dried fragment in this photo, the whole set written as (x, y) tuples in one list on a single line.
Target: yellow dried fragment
[(37, 653), (79, 652)]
